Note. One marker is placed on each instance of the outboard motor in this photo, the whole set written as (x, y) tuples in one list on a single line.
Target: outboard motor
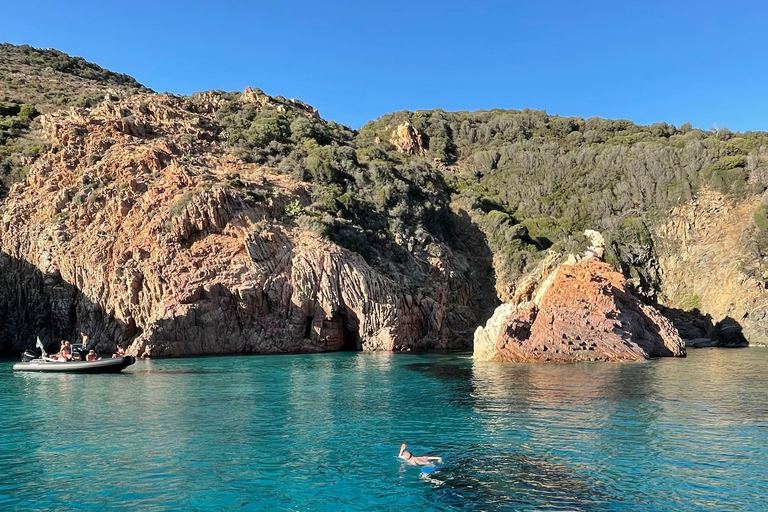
[(29, 355)]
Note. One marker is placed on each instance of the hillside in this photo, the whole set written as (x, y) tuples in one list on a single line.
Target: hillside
[(163, 221), (551, 177), (143, 229), (35, 81)]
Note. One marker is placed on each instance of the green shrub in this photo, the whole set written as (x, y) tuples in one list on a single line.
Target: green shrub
[(28, 112), (293, 209), (761, 218)]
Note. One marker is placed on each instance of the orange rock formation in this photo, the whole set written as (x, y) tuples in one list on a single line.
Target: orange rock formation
[(407, 139), (582, 313)]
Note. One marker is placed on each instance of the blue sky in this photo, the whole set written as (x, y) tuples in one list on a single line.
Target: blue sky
[(701, 62)]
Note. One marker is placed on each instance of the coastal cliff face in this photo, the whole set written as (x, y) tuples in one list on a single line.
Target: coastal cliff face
[(712, 281), (240, 222), (576, 311), (139, 229)]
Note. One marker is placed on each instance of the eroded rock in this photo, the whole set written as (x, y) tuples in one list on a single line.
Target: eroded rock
[(132, 232), (584, 313), (408, 139)]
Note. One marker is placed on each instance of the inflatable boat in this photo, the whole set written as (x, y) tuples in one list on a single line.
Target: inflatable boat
[(45, 364), (38, 361)]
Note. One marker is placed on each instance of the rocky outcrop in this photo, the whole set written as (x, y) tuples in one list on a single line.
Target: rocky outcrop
[(407, 139), (712, 285), (141, 231), (577, 311), (279, 103)]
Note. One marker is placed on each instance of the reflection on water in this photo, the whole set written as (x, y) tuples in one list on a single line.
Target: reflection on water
[(321, 432)]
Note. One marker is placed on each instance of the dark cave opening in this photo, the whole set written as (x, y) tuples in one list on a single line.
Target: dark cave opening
[(351, 341), (308, 327)]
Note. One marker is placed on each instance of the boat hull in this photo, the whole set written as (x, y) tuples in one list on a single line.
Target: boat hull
[(102, 366)]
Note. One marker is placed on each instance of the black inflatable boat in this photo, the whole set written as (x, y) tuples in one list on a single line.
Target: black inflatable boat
[(34, 361), (45, 364)]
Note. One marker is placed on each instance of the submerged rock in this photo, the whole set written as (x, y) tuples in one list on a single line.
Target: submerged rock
[(581, 311)]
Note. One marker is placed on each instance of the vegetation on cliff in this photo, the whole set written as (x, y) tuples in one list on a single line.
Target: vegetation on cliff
[(34, 81), (494, 188), (527, 179), (554, 176), (361, 197)]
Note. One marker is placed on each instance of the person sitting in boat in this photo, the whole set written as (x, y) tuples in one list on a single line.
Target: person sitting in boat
[(61, 349), (418, 461), (65, 352), (120, 352), (91, 356)]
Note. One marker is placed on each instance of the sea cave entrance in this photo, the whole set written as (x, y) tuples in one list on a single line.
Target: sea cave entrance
[(351, 338), (341, 333)]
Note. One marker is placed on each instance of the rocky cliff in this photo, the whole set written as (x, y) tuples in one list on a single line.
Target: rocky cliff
[(712, 281), (139, 229), (579, 310), (241, 222)]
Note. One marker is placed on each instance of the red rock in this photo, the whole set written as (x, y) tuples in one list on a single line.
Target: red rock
[(585, 314), (149, 246), (407, 139)]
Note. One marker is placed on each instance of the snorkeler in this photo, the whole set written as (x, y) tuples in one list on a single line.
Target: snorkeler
[(417, 461)]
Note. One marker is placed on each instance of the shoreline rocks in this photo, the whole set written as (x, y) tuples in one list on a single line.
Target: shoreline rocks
[(582, 311)]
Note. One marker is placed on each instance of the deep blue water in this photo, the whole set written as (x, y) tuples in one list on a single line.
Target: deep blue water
[(321, 432)]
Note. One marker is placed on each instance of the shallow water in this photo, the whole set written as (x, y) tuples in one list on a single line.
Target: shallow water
[(321, 432)]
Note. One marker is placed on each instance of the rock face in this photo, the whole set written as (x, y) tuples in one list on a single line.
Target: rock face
[(578, 311), (407, 139), (709, 284), (140, 231)]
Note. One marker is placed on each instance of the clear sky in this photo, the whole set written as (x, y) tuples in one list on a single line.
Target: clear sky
[(702, 62)]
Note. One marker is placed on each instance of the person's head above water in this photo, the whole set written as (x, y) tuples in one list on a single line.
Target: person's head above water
[(405, 454), (412, 460)]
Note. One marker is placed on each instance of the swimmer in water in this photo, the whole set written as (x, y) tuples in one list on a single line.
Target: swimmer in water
[(417, 461)]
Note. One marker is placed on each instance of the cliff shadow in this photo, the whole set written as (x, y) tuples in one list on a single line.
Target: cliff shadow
[(473, 281), (466, 238), (34, 303), (728, 332), (700, 330)]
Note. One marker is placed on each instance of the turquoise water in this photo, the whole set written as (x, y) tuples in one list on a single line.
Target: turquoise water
[(321, 432)]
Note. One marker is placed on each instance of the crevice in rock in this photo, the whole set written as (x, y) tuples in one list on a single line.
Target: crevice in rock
[(308, 327), (341, 333)]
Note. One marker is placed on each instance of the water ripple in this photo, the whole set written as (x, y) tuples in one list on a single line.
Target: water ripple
[(320, 432)]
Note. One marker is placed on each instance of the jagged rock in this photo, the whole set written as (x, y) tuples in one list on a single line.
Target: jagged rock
[(711, 280), (583, 313), (149, 246), (407, 139), (279, 104), (597, 248)]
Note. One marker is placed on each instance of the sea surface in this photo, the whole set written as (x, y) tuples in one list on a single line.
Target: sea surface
[(322, 432)]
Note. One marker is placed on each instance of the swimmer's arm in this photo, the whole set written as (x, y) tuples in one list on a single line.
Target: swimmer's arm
[(438, 459)]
